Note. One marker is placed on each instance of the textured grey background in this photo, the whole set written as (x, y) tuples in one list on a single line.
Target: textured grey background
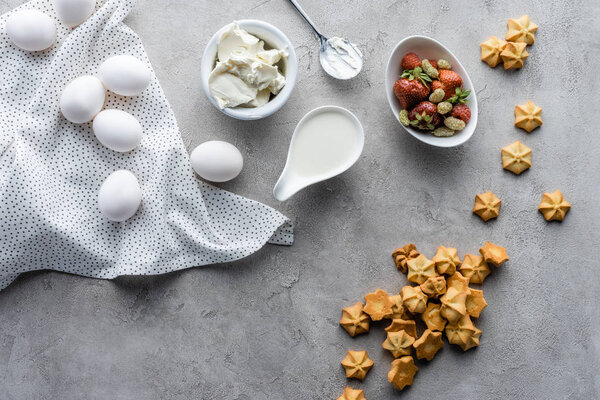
[(267, 327)]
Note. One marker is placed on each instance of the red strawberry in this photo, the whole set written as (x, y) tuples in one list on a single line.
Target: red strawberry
[(462, 112), (410, 61), (433, 63), (424, 116), (411, 88), (449, 81)]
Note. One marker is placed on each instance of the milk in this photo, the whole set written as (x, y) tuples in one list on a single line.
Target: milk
[(326, 142)]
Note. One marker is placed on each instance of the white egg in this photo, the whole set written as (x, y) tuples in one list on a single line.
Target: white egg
[(74, 12), (31, 30), (117, 130), (120, 196), (82, 99), (125, 75), (217, 161)]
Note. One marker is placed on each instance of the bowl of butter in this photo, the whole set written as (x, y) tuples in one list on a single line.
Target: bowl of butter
[(249, 69)]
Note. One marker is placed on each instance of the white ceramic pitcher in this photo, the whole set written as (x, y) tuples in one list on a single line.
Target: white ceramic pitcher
[(335, 152)]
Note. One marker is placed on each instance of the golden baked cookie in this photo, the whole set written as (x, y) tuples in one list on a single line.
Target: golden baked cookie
[(474, 268), (453, 305), (378, 305), (352, 394), (407, 325), (493, 254), (463, 333), (516, 157), (402, 254), (434, 287), (491, 49), (398, 310), (415, 301), (357, 364), (402, 372), (433, 318), (446, 260), (354, 320), (521, 30), (475, 303), (514, 55), (458, 282), (398, 343), (487, 205), (528, 116), (428, 344), (419, 269), (554, 207)]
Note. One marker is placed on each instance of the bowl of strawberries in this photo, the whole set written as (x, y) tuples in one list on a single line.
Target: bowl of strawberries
[(430, 93)]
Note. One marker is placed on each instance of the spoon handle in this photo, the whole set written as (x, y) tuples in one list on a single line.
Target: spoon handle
[(306, 17)]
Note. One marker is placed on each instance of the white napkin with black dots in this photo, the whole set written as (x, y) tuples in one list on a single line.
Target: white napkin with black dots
[(51, 170)]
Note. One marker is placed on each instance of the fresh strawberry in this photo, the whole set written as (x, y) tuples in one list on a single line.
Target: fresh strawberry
[(449, 81), (433, 63), (411, 88), (424, 116), (462, 112), (410, 61)]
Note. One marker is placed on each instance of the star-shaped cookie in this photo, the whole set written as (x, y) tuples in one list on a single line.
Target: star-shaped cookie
[(402, 372), (487, 205), (354, 320), (516, 157), (514, 55), (428, 344), (528, 116), (475, 268), (493, 254), (491, 49), (521, 30), (419, 269), (554, 207), (357, 364)]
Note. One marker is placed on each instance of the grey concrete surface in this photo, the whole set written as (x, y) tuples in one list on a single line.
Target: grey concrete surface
[(267, 327)]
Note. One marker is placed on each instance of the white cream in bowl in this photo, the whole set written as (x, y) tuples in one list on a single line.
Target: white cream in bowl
[(257, 75), (246, 75)]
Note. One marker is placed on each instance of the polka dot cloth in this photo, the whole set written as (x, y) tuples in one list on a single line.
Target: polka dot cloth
[(51, 171)]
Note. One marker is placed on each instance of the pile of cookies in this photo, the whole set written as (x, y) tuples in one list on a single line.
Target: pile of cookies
[(439, 301), (512, 51)]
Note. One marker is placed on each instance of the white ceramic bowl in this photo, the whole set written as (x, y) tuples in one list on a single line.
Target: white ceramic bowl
[(273, 38), (426, 47)]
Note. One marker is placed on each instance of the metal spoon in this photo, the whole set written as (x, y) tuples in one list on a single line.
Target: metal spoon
[(339, 58)]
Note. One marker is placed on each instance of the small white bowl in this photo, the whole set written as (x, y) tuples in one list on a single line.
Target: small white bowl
[(273, 38), (426, 47)]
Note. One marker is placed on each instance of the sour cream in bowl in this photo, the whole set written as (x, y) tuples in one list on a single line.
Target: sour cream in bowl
[(249, 69)]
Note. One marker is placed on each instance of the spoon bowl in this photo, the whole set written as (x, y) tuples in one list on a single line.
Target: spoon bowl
[(426, 47), (340, 58)]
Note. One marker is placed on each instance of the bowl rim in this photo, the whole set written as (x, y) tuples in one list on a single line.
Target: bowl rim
[(423, 137), (291, 71)]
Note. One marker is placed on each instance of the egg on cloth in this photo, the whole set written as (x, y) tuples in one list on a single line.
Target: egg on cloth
[(74, 12), (120, 196), (82, 99), (125, 75), (217, 161), (31, 30), (118, 130)]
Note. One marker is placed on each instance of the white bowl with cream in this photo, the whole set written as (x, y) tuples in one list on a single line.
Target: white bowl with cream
[(429, 48), (326, 142), (273, 38)]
